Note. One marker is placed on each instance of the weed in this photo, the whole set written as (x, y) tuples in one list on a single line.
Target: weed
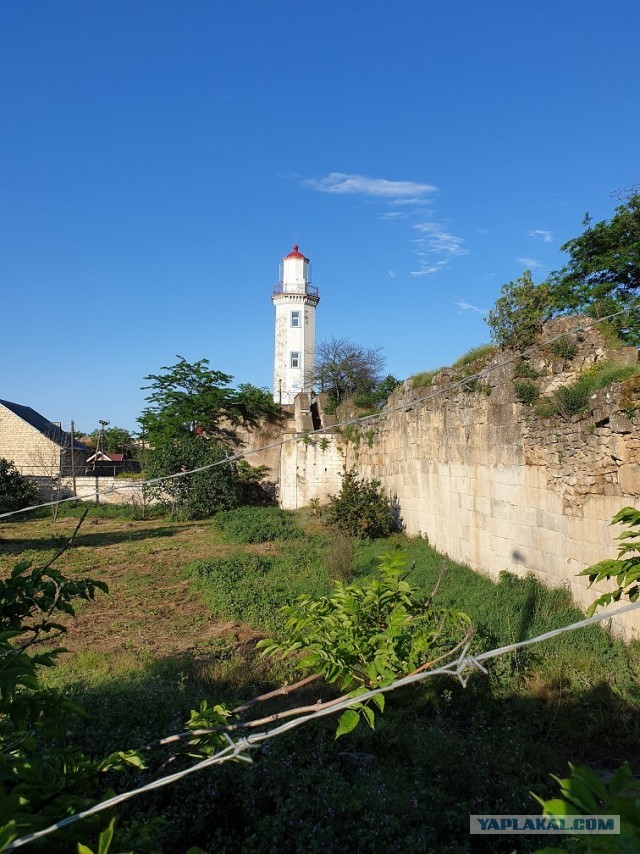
[(474, 355), (526, 391), (423, 379), (564, 347), (258, 524), (524, 370)]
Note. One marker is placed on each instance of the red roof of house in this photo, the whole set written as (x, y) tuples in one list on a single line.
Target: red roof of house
[(296, 253)]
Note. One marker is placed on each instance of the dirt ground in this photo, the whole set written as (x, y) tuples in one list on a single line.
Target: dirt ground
[(151, 608)]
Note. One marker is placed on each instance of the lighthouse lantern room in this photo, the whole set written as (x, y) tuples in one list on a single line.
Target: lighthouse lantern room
[(295, 300)]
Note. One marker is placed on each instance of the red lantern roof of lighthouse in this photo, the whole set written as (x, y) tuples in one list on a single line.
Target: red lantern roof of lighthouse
[(296, 253)]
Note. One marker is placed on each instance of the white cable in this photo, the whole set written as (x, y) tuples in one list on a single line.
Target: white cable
[(460, 668), (355, 420)]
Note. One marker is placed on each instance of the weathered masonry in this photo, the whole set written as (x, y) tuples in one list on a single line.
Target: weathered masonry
[(486, 480)]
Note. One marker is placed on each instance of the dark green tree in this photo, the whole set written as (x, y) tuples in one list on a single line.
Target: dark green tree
[(194, 496), (115, 440), (190, 398), (518, 314), (191, 423), (603, 273), (16, 491)]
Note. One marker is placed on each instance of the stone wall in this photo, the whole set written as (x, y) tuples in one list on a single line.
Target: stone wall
[(30, 451), (495, 486)]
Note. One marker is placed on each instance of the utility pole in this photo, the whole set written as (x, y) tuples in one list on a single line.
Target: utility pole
[(73, 457)]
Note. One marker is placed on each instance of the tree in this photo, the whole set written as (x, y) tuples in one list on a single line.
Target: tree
[(343, 368), (189, 424), (518, 314), (16, 491), (192, 398), (603, 273), (115, 440), (199, 495)]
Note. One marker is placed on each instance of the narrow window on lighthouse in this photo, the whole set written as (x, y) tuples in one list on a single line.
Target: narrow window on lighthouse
[(295, 318), (295, 359)]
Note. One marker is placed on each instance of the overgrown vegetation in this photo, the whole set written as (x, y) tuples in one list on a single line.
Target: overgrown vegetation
[(476, 354), (16, 491), (626, 569), (258, 524), (526, 391), (423, 379), (564, 347), (393, 787), (360, 508), (573, 398)]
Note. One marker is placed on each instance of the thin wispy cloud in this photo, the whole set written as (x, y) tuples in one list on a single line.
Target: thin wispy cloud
[(342, 183), (530, 263), (391, 215), (547, 236), (466, 306), (436, 248)]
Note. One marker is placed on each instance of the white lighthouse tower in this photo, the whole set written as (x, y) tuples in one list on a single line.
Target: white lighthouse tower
[(295, 300)]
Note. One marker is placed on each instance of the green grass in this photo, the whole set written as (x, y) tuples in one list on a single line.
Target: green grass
[(251, 587), (258, 524), (439, 751), (474, 355), (423, 379)]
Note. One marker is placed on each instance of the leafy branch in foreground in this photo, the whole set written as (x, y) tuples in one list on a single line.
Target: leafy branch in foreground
[(626, 569), (584, 793), (42, 776), (367, 634)]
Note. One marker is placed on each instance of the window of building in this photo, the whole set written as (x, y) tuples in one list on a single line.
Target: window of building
[(294, 361), (295, 318)]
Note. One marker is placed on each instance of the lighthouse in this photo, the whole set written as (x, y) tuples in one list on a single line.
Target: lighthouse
[(295, 300)]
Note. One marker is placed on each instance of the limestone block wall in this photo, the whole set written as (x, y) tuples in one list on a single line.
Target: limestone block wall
[(101, 489), (30, 451), (309, 469), (496, 487)]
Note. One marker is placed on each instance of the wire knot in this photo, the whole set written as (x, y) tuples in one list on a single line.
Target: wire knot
[(466, 664)]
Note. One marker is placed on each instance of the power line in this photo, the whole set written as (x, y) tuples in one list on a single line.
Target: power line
[(461, 668), (482, 374)]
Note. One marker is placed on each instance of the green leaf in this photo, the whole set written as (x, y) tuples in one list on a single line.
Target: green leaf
[(369, 716), (347, 721), (106, 837), (378, 699)]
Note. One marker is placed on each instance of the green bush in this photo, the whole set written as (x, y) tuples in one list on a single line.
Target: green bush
[(360, 508), (526, 391), (16, 491), (564, 347), (258, 524), (522, 370)]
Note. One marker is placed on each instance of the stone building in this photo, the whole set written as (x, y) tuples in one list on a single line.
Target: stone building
[(37, 447)]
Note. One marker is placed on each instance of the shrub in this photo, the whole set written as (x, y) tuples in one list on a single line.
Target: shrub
[(526, 391), (564, 347), (258, 524), (360, 508), (522, 370), (16, 491)]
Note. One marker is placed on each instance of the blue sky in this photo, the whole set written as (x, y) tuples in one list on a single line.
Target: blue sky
[(157, 159)]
